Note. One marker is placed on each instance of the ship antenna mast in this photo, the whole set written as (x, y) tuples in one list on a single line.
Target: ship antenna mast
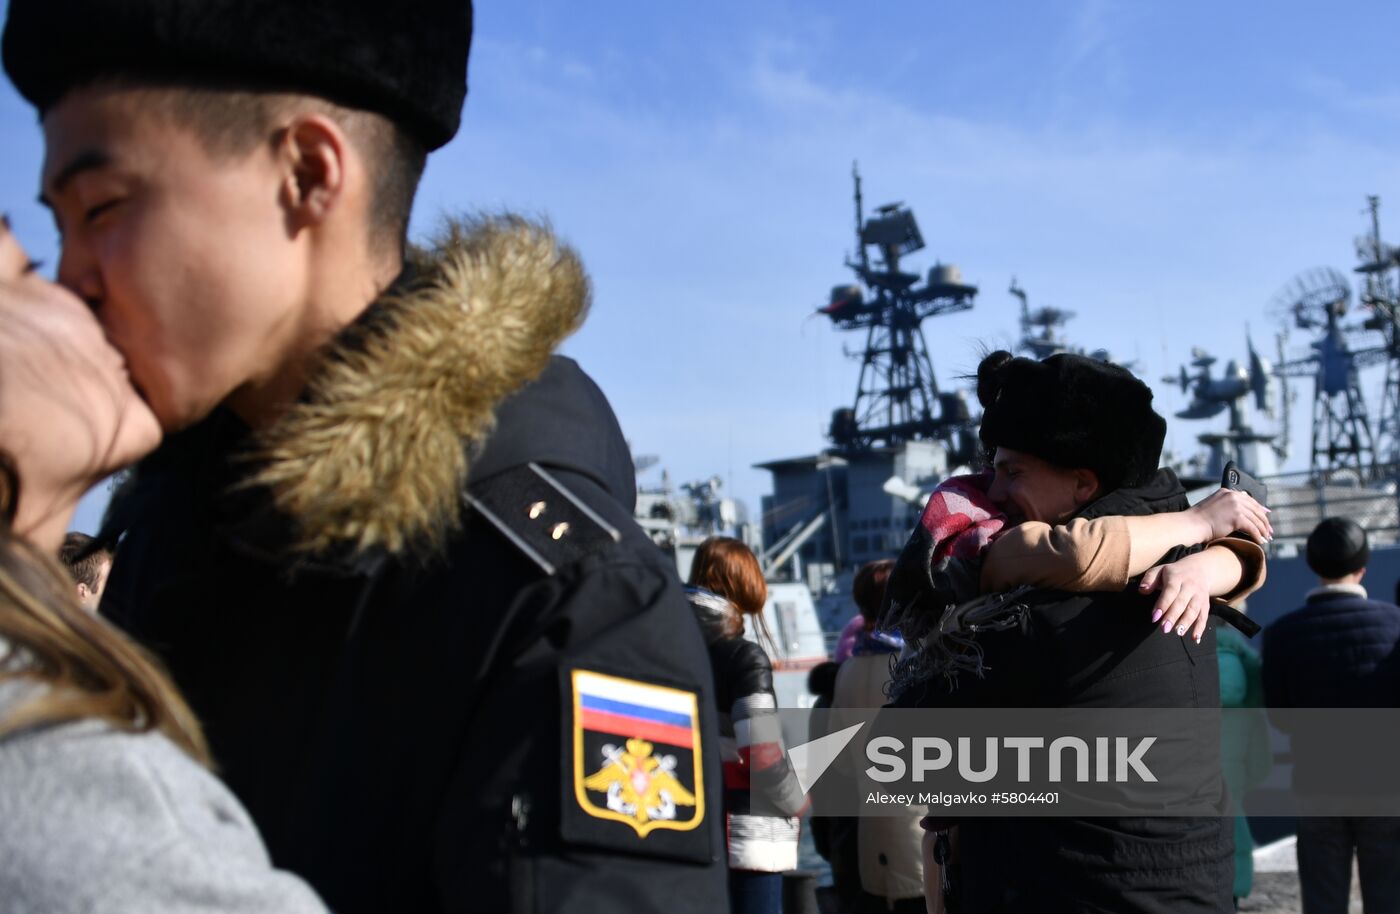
[(1020, 293), (1380, 296), (860, 220), (897, 396)]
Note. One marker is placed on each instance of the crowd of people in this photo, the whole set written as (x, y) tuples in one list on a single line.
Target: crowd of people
[(1064, 512), (369, 625)]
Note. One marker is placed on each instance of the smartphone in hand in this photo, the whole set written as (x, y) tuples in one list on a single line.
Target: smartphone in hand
[(1237, 479)]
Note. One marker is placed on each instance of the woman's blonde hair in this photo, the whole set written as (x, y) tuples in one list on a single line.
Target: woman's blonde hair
[(88, 668), (726, 566)]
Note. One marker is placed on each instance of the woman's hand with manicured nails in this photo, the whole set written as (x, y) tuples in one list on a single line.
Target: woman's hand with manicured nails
[(1184, 589), (1227, 511)]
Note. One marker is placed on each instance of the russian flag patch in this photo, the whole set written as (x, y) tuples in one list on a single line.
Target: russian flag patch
[(637, 752)]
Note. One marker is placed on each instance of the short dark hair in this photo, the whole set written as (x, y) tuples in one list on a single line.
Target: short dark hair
[(821, 680), (84, 557), (868, 587), (231, 122), (1337, 547)]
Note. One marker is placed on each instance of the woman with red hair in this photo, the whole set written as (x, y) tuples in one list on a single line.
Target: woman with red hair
[(726, 587)]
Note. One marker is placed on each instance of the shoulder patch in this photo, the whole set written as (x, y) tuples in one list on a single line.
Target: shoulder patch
[(636, 753), (538, 514)]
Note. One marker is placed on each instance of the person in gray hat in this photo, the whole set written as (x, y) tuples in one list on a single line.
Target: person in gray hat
[(1340, 650), (386, 547)]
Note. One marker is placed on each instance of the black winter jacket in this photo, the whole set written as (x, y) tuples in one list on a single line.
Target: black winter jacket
[(420, 729), (1340, 650), (761, 793), (1095, 650)]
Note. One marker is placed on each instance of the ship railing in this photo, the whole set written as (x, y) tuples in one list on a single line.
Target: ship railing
[(1300, 500)]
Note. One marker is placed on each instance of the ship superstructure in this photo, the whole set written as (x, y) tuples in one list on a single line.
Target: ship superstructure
[(678, 518), (1353, 448), (857, 500)]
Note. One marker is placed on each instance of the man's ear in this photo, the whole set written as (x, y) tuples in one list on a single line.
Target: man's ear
[(312, 150), (83, 591), (1086, 486)]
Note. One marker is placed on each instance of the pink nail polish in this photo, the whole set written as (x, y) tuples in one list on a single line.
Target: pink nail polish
[(1166, 626), (1157, 616)]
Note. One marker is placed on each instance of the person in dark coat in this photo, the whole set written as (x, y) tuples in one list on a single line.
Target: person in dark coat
[(834, 837), (1340, 650), (386, 547), (1076, 438)]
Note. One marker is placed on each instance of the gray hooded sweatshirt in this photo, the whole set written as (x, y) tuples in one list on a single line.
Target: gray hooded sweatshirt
[(96, 819)]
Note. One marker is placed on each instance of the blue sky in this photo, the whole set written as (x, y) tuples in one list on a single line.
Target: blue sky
[(1162, 169)]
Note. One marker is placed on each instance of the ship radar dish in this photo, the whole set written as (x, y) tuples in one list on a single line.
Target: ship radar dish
[(1312, 300), (1342, 437)]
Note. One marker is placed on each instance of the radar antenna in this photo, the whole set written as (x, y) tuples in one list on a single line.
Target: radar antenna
[(1316, 301), (897, 396)]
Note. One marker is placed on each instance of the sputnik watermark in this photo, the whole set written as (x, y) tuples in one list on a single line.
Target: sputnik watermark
[(1113, 758), (963, 762), (982, 761)]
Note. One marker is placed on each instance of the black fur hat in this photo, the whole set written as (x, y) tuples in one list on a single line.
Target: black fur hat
[(1072, 411), (1337, 547), (407, 60)]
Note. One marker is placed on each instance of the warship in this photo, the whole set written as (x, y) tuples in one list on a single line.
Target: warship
[(857, 499), (679, 518), (904, 432)]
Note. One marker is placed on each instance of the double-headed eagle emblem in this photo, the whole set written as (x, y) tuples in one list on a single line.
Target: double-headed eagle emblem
[(640, 785)]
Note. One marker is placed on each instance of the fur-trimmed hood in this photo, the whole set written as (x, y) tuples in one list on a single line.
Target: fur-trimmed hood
[(375, 454)]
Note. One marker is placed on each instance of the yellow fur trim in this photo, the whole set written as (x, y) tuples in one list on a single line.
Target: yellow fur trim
[(376, 455)]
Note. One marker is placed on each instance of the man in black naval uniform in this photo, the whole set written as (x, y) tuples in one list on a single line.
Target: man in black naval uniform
[(386, 547)]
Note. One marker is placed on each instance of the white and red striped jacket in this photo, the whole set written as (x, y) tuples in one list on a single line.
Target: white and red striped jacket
[(762, 797)]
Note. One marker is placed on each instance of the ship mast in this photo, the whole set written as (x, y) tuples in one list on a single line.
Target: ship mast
[(897, 398), (1378, 261)]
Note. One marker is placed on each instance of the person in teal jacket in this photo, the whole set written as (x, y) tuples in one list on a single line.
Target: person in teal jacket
[(1244, 745)]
